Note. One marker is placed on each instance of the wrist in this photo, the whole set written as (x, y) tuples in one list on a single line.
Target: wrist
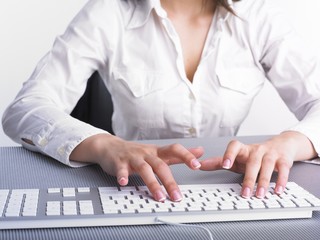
[(304, 148), (92, 148)]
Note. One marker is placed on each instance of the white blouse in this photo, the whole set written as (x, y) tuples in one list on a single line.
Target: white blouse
[(136, 50)]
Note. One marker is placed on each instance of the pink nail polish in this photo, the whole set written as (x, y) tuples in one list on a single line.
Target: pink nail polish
[(261, 192), (279, 190), (176, 196), (159, 196), (246, 192), (122, 181), (226, 164), (195, 163)]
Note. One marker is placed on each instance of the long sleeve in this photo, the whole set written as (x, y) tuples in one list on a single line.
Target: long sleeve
[(39, 116), (292, 68)]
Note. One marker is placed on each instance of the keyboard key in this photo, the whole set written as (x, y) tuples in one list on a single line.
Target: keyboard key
[(69, 192), (54, 190), (86, 207), (106, 206), (83, 189)]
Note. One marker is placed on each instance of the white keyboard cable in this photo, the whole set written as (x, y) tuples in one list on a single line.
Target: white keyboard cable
[(158, 220)]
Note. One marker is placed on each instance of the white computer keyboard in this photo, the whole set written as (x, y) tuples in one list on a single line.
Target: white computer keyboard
[(133, 205)]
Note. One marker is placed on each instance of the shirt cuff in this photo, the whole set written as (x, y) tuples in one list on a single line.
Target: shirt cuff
[(59, 140)]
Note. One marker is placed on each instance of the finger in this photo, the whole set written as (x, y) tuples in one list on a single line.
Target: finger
[(176, 153), (267, 167), (233, 150), (197, 152), (210, 164), (164, 173), (283, 175), (149, 178), (123, 175), (252, 169)]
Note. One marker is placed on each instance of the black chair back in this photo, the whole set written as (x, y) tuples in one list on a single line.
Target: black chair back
[(95, 106)]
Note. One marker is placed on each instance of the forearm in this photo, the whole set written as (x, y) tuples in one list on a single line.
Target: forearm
[(44, 128)]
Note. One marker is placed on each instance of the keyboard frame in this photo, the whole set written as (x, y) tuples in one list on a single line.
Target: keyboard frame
[(111, 219)]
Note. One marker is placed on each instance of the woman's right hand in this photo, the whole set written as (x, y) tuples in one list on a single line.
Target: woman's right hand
[(122, 158)]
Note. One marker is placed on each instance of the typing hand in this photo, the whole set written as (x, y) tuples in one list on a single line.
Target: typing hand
[(122, 158), (259, 161)]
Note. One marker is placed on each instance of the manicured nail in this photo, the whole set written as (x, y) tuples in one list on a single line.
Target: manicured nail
[(176, 196), (279, 190), (159, 196), (260, 193), (246, 192), (195, 163), (226, 164), (122, 181)]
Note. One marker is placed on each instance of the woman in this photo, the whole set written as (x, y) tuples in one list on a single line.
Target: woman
[(182, 68)]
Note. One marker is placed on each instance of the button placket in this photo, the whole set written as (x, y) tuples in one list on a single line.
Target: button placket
[(191, 122), (177, 46)]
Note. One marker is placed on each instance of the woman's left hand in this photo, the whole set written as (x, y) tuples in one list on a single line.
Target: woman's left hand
[(259, 161)]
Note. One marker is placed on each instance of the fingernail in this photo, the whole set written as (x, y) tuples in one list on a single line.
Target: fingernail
[(279, 190), (246, 192), (176, 196), (159, 196), (260, 193), (122, 181), (226, 164), (195, 163)]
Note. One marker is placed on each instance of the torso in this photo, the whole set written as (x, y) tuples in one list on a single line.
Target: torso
[(193, 34), (192, 42)]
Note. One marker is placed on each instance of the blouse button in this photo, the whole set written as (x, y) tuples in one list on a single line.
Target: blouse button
[(61, 151), (192, 131), (43, 142)]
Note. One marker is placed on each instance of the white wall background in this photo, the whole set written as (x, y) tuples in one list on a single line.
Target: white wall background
[(28, 28)]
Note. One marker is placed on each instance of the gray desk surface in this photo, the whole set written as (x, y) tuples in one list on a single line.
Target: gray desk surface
[(20, 168)]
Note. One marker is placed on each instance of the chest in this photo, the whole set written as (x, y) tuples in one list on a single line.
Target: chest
[(192, 39)]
